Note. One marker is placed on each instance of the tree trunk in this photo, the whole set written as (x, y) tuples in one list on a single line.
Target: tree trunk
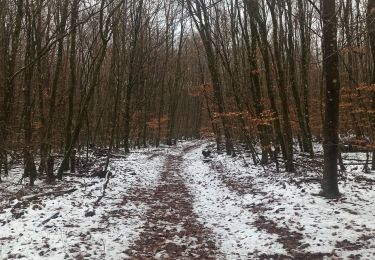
[(371, 33), (287, 133), (104, 34), (133, 67), (305, 60), (9, 89), (73, 79), (255, 80), (30, 168), (331, 122), (253, 9), (306, 140)]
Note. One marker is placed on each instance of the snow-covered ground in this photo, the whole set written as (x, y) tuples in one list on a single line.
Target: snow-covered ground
[(224, 213), (232, 196), (249, 212), (107, 234)]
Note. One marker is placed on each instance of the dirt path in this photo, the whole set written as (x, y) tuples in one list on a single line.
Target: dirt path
[(172, 230)]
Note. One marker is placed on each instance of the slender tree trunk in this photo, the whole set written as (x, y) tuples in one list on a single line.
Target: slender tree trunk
[(332, 78), (287, 134), (371, 33), (214, 126), (160, 115), (133, 67), (30, 168), (114, 84), (73, 78), (104, 35), (306, 140), (83, 111), (253, 9), (55, 83), (41, 82), (174, 94), (255, 80), (9, 89), (305, 67)]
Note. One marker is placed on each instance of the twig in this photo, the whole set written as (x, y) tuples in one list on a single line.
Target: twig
[(107, 177), (50, 218)]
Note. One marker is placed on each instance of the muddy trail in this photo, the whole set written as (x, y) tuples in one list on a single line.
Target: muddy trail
[(172, 230)]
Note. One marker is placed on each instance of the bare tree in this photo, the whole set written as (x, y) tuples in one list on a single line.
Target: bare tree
[(104, 35), (201, 17), (332, 78), (281, 82), (371, 33), (12, 42)]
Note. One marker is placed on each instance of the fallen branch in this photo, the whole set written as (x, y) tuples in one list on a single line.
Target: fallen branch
[(55, 193)]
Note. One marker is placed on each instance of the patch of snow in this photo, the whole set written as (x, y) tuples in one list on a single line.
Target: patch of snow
[(115, 225), (222, 211)]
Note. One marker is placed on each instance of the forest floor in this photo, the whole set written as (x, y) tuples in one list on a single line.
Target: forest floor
[(171, 203)]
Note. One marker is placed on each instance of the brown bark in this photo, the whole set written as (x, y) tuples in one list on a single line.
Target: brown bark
[(371, 33), (9, 86), (73, 78), (332, 79), (305, 35), (30, 168)]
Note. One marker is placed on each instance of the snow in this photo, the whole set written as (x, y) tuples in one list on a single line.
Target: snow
[(323, 223), (250, 211), (222, 211), (71, 234)]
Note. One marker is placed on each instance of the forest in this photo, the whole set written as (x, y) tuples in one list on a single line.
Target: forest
[(125, 110)]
